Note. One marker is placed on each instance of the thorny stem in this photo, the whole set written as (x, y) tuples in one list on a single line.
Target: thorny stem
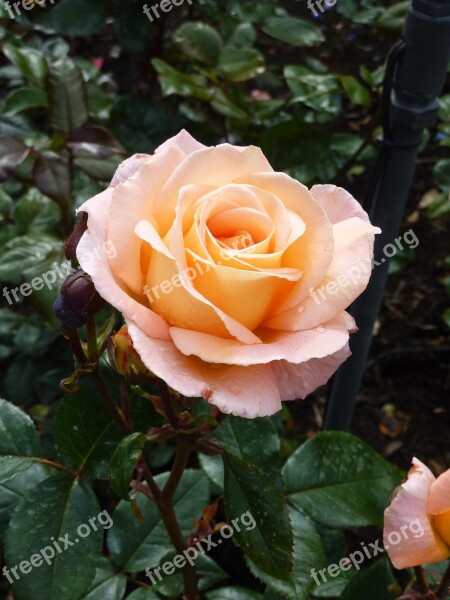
[(422, 580), (179, 465), (442, 590), (163, 499)]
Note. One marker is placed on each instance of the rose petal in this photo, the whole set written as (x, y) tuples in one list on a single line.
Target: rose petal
[(338, 203), (295, 347), (183, 141), (297, 381), (408, 506), (248, 392), (128, 168), (92, 254), (213, 166), (346, 278), (312, 252), (132, 202), (439, 499), (182, 304)]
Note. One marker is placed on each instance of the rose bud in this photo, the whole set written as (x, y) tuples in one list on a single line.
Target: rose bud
[(71, 243), (417, 522), (67, 316), (125, 358), (80, 295)]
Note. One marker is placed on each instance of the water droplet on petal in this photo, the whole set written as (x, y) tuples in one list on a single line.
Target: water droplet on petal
[(300, 309), (235, 390), (320, 329)]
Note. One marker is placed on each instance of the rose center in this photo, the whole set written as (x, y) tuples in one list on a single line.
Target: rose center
[(239, 240)]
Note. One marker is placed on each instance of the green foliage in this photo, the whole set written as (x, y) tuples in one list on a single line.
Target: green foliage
[(269, 543), (85, 83), (348, 492)]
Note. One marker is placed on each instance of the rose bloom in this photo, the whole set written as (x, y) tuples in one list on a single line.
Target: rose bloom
[(216, 261), (421, 498)]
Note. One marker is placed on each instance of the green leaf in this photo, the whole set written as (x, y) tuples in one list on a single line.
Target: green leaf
[(317, 91), (208, 571), (123, 462), (140, 125), (12, 153), (371, 583), (357, 93), (143, 594), (339, 481), (254, 441), (243, 36), (249, 490), (52, 177), (10, 466), (244, 11), (24, 252), (102, 169), (393, 17), (199, 41), (308, 554), (23, 99), (136, 546), (440, 206), (35, 213), (296, 32), (233, 593), (67, 95), (441, 174), (6, 203), (446, 317), (107, 585), (56, 507), (31, 63), (79, 17), (12, 491), (85, 434), (176, 82), (240, 64), (18, 435), (223, 105), (94, 141)]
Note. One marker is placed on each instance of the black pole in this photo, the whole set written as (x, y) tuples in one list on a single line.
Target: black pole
[(415, 76)]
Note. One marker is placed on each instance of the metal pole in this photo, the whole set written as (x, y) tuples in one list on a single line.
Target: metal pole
[(414, 80)]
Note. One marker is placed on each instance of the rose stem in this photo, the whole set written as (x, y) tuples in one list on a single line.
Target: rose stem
[(164, 499), (422, 580), (444, 585), (170, 520), (91, 336)]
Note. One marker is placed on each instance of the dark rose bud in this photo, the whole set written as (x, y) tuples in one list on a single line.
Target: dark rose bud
[(67, 316), (80, 295), (71, 243)]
